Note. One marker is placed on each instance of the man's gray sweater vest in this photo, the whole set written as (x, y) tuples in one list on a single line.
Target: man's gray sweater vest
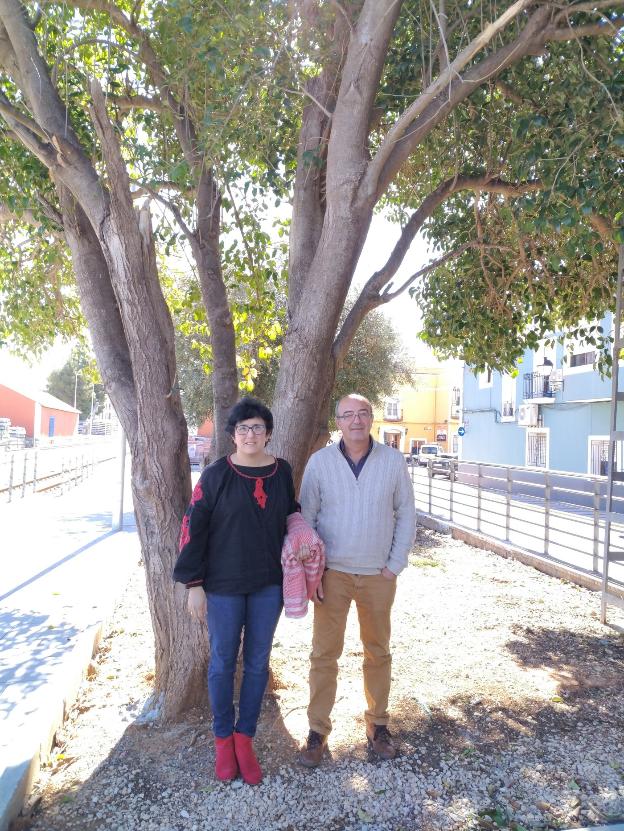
[(366, 523)]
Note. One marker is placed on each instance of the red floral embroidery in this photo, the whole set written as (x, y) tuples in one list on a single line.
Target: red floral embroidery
[(184, 532), (259, 493), (197, 493)]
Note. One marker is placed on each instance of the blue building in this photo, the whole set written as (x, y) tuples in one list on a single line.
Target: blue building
[(553, 414)]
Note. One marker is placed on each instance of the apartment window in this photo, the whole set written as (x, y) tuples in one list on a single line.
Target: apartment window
[(508, 398), (583, 358), (455, 402), (391, 409), (536, 452), (598, 456)]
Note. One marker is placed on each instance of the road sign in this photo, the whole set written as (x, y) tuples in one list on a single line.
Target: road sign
[(461, 431)]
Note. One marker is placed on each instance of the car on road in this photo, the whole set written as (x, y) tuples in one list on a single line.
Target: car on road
[(443, 464), (428, 451)]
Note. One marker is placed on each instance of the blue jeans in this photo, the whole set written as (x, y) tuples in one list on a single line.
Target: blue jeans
[(228, 615)]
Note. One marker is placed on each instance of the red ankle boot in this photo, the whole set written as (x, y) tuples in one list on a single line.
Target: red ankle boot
[(246, 758), (226, 766)]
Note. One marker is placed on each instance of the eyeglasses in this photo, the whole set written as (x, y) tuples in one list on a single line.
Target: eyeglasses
[(350, 415), (256, 429)]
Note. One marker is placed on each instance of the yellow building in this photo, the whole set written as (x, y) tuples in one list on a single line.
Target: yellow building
[(428, 412)]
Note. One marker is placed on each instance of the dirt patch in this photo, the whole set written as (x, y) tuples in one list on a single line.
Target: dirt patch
[(493, 664)]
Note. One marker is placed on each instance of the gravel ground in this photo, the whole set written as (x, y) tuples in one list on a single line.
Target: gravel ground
[(506, 700)]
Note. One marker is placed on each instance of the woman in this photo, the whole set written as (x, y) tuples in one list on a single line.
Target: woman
[(230, 547)]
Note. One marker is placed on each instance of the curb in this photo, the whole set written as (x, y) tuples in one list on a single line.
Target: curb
[(32, 717)]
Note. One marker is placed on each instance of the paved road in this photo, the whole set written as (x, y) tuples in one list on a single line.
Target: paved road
[(570, 529)]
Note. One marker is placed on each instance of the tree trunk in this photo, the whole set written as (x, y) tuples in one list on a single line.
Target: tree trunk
[(160, 471), (302, 380), (99, 306), (160, 464), (205, 246)]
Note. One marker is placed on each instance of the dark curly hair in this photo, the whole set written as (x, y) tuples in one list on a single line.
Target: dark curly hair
[(249, 407)]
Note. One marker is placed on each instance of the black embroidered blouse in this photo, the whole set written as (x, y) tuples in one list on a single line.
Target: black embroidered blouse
[(233, 530)]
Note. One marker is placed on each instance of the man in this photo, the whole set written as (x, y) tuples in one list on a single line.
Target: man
[(358, 496)]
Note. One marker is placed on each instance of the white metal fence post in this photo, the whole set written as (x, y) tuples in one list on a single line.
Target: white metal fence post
[(11, 467), (24, 471), (547, 496), (478, 497), (508, 504), (430, 478), (596, 515)]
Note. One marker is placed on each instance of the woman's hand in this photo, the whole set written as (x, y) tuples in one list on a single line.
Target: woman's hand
[(196, 602)]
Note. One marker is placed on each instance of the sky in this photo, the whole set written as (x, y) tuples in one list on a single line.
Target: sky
[(403, 312)]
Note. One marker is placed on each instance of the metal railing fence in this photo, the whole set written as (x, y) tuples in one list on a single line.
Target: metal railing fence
[(547, 512), (33, 470)]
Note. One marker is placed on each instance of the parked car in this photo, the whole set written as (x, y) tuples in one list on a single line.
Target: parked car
[(442, 465), (428, 451)]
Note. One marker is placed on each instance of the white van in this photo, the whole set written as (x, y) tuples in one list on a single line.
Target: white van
[(428, 451)]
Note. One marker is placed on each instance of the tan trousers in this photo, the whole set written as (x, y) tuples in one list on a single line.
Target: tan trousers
[(373, 596)]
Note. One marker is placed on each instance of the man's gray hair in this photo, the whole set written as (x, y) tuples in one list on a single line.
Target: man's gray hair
[(357, 397)]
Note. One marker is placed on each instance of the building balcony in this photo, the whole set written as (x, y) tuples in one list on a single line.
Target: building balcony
[(537, 388)]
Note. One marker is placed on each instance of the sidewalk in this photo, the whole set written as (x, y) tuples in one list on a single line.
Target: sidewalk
[(62, 569)]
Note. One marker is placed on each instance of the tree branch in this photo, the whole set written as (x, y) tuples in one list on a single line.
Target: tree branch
[(184, 127), (378, 178), (366, 304), (308, 202), (377, 289), (442, 82), (49, 211), (27, 216), (592, 6), (607, 28), (18, 117), (602, 225), (153, 192), (44, 152), (366, 55), (138, 102), (64, 156)]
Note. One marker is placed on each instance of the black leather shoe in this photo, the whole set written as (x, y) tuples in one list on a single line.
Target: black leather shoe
[(311, 755)]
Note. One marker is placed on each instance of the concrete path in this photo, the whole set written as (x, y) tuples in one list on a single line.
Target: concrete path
[(61, 570)]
